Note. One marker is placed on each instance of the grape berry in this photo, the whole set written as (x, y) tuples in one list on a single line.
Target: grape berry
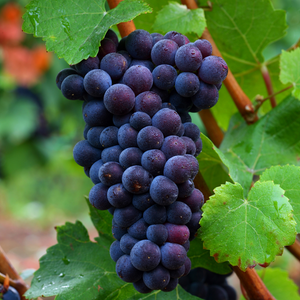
[(139, 147)]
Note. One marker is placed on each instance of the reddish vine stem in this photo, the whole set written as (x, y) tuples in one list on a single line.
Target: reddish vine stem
[(126, 27), (7, 268), (214, 132), (253, 285), (266, 76), (295, 249)]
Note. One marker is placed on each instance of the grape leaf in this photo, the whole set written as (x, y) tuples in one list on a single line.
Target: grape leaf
[(279, 284), (273, 140), (288, 179), (290, 69), (74, 29), (102, 220), (250, 231), (211, 166), (177, 17), (76, 268), (243, 29), (201, 258)]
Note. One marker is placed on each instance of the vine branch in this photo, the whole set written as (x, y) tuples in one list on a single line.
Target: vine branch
[(295, 249), (266, 76)]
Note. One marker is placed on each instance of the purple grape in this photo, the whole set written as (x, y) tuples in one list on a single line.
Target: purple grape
[(141, 287), (185, 189), (139, 120), (181, 104), (216, 292), (142, 202), (157, 279), (110, 34), (190, 145), (138, 229), (95, 114), (94, 171), (109, 137), (126, 55), (177, 37), (204, 46), (145, 63), (111, 154), (153, 161), (121, 120), (193, 224), (178, 169), (156, 37), (111, 173), (98, 198), (191, 130), (64, 74), (136, 180), (188, 58), (163, 94), (145, 256), (117, 231), (93, 136), (107, 46), (173, 256), (148, 102), (173, 145), (178, 234), (87, 65), (127, 136), (73, 88), (85, 155), (118, 196), (139, 44), (126, 271), (164, 76), (114, 64), (206, 97), (126, 216), (213, 70), (119, 99), (171, 285), (155, 214), (193, 163), (157, 233), (115, 251), (149, 138), (167, 121), (194, 201), (96, 82), (130, 157), (139, 79), (198, 144), (127, 242), (187, 84), (163, 52), (163, 191), (178, 213)]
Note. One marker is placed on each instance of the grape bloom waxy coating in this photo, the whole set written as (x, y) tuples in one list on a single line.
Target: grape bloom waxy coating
[(140, 146)]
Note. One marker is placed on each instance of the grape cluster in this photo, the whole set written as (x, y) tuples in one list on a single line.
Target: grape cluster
[(208, 285), (140, 146)]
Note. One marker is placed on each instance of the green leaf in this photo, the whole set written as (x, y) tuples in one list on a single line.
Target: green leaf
[(201, 258), (254, 25), (279, 284), (177, 17), (74, 29), (102, 220), (290, 69), (288, 179), (273, 140), (76, 268), (212, 168), (250, 231)]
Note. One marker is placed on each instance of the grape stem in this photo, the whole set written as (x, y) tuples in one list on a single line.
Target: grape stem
[(267, 79), (214, 131), (7, 268), (261, 100), (295, 249)]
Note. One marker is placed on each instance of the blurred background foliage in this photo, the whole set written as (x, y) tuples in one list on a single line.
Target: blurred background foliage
[(40, 184)]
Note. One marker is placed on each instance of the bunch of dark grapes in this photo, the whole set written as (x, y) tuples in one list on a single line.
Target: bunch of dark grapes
[(9, 293), (208, 285), (140, 146)]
